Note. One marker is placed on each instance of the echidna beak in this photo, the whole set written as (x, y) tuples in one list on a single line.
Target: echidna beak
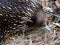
[(48, 28)]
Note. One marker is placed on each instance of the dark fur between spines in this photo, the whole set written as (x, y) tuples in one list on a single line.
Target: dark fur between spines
[(11, 13)]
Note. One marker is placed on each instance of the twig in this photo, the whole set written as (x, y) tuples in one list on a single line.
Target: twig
[(57, 24)]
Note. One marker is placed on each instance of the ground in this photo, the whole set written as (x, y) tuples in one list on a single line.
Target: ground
[(38, 36)]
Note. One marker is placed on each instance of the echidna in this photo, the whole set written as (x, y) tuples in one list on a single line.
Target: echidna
[(18, 15)]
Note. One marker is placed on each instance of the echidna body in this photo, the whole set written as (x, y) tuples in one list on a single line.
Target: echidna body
[(18, 15)]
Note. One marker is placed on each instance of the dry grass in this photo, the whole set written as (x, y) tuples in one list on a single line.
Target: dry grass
[(45, 39)]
